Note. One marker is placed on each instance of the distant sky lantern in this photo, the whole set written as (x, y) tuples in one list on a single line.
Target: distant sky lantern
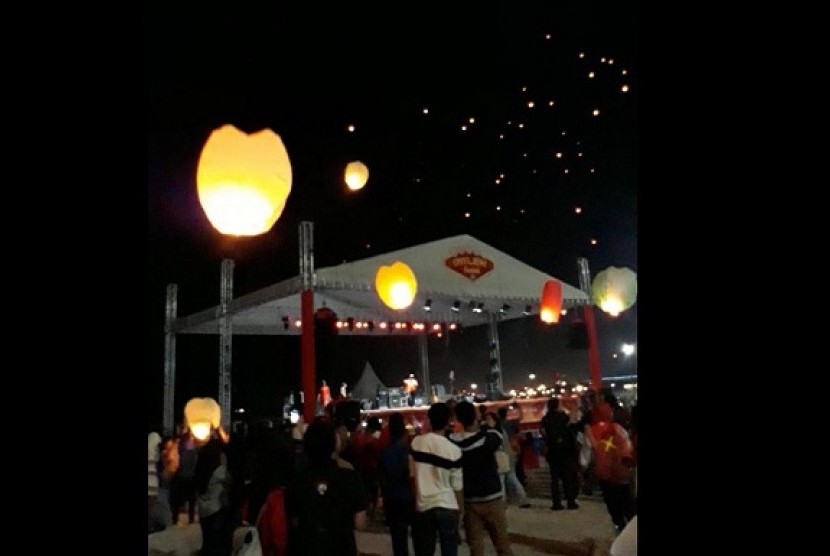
[(201, 415), (550, 304), (357, 174), (243, 181), (614, 290), (396, 285)]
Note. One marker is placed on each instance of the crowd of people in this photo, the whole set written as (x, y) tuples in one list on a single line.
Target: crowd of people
[(307, 488)]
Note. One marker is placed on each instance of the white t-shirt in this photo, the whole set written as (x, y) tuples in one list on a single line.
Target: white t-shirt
[(435, 462)]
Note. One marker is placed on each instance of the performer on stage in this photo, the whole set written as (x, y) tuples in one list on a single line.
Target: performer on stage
[(410, 386)]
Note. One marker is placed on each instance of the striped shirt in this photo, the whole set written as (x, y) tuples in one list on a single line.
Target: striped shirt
[(481, 478), (435, 463)]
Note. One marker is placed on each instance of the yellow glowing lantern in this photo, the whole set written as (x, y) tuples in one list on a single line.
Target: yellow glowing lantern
[(201, 416), (550, 304), (357, 174), (243, 180), (614, 290), (396, 285)]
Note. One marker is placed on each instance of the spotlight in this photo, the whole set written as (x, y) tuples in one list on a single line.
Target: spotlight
[(527, 310), (455, 306), (504, 308), (428, 305), (478, 308), (286, 322)]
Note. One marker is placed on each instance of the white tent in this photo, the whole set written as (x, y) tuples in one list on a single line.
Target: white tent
[(367, 386), (460, 270)]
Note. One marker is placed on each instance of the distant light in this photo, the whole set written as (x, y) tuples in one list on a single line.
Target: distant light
[(578, 210), (469, 195), (566, 170), (581, 54), (624, 88), (559, 155), (501, 135), (351, 128), (498, 181), (521, 126), (602, 59), (463, 128), (466, 215), (547, 37), (593, 242), (627, 349), (624, 72), (614, 355), (610, 61), (592, 170), (524, 89), (595, 112), (590, 75), (298, 323), (472, 120), (550, 103), (530, 104), (426, 110), (579, 154)]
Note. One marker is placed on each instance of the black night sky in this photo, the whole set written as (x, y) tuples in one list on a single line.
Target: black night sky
[(499, 121)]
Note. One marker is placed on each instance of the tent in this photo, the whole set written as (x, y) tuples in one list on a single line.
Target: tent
[(367, 386), (455, 275)]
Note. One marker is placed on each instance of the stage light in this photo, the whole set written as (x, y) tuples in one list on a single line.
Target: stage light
[(456, 306), (504, 308), (428, 305)]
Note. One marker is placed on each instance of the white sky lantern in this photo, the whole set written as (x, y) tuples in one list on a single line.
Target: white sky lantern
[(614, 290), (357, 174), (396, 285), (201, 415), (243, 181)]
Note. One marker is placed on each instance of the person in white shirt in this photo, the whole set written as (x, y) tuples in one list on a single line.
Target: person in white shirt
[(435, 466)]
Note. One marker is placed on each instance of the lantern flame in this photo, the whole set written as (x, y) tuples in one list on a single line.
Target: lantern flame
[(396, 285), (550, 304), (243, 181), (357, 174), (614, 290), (201, 416)]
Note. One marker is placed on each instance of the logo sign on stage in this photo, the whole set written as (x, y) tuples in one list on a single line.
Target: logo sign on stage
[(470, 265)]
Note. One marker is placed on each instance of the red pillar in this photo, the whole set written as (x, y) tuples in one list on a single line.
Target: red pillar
[(308, 380), (593, 349)]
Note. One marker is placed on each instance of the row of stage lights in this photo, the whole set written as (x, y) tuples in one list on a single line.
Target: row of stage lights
[(351, 325)]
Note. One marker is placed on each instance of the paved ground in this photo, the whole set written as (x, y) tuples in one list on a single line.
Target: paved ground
[(535, 531)]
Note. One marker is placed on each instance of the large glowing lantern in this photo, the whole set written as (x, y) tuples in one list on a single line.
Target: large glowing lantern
[(614, 290), (201, 416), (243, 180), (550, 304), (396, 285), (357, 174)]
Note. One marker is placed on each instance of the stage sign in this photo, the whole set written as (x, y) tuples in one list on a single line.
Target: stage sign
[(470, 265)]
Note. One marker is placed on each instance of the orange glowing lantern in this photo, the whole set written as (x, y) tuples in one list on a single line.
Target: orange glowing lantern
[(396, 285), (550, 305), (201, 416), (243, 181), (357, 174), (614, 290)]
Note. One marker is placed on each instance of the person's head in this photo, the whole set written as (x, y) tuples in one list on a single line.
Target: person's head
[(373, 424), (465, 413), (553, 404), (492, 420), (397, 427), (439, 415), (603, 412), (319, 441)]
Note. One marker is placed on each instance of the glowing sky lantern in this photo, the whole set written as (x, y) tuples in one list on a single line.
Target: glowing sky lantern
[(396, 285), (243, 180), (614, 290), (201, 415), (550, 304), (357, 174)]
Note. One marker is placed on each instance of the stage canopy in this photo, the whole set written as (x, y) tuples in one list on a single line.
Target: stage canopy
[(459, 272)]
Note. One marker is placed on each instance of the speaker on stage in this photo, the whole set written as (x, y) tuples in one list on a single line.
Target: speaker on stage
[(383, 399), (395, 398)]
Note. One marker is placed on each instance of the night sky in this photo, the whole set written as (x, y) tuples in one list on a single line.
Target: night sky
[(513, 122)]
